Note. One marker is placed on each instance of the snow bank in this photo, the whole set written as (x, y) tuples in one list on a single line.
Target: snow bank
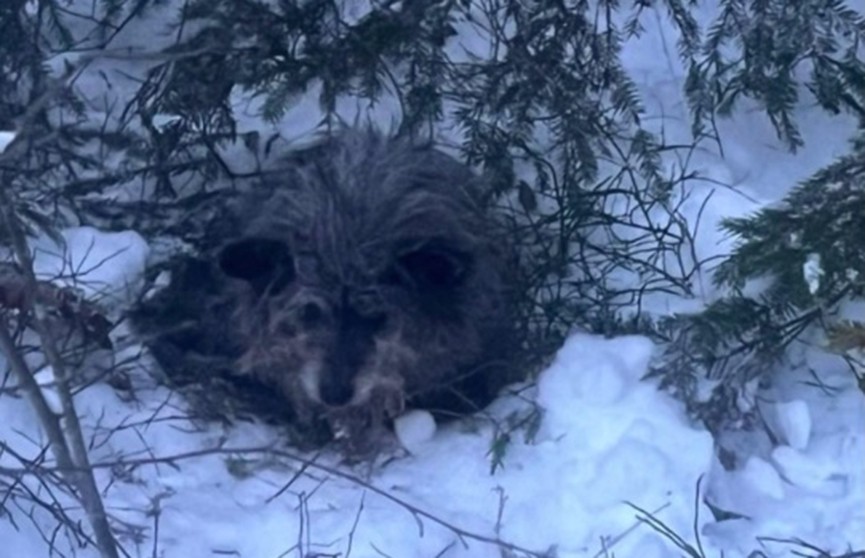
[(107, 267), (605, 439)]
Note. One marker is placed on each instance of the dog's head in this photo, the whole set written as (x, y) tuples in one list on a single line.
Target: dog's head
[(365, 273)]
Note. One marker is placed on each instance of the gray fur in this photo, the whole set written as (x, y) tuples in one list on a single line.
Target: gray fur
[(379, 282)]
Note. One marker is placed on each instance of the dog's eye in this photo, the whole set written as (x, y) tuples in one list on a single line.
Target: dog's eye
[(263, 262), (432, 267)]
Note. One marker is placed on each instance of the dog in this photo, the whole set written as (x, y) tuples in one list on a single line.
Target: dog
[(364, 276)]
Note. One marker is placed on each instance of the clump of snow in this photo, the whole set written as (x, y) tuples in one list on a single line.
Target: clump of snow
[(5, 139), (760, 478), (794, 422), (47, 382), (105, 266), (812, 270), (414, 429)]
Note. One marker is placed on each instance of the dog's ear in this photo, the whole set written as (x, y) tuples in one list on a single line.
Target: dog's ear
[(265, 263)]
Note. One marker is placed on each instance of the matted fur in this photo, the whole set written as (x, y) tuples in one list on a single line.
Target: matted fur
[(361, 277)]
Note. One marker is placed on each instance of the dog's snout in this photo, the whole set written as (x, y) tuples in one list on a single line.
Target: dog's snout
[(334, 391), (311, 313)]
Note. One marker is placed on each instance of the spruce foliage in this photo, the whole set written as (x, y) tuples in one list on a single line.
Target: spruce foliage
[(796, 263), (767, 50), (808, 255)]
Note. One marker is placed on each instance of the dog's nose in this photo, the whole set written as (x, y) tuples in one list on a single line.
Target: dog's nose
[(311, 314), (334, 390)]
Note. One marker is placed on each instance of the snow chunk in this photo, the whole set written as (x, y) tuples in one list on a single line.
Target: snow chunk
[(106, 266), (6, 138), (812, 271), (48, 386), (794, 422), (162, 121), (414, 428), (763, 478)]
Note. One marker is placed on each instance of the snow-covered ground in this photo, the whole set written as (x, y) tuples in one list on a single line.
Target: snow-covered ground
[(607, 445)]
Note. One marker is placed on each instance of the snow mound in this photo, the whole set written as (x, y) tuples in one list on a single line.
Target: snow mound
[(606, 438), (106, 266), (617, 439)]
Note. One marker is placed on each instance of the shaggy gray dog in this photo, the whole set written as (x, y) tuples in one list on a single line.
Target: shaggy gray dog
[(362, 277)]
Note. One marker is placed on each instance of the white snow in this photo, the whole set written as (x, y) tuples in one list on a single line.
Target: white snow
[(5, 139), (761, 478), (106, 267), (414, 429), (794, 422), (47, 381), (812, 271), (606, 439)]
